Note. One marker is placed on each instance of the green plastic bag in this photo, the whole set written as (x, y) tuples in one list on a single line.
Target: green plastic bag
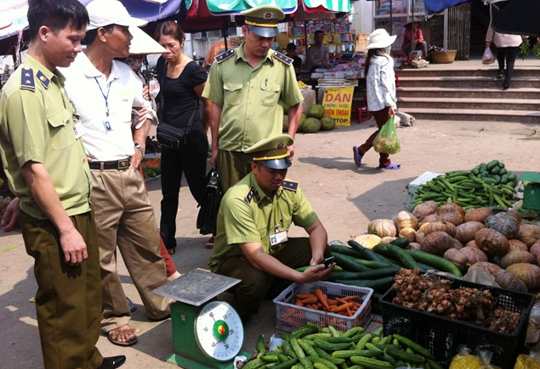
[(386, 141)]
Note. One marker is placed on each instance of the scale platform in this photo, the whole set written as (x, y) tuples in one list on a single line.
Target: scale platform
[(207, 334)]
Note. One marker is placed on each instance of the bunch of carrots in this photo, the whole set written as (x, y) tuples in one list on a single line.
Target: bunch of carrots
[(318, 300)]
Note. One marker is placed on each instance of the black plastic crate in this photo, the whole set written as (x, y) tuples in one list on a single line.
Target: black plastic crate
[(443, 336)]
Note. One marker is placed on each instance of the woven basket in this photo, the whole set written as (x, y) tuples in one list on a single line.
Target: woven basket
[(443, 57)]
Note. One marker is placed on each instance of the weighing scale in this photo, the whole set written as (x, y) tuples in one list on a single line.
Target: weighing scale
[(206, 335)]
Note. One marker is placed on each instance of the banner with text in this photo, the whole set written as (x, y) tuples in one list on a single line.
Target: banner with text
[(337, 103)]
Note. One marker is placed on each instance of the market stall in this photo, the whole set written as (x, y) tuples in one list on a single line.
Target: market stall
[(448, 282)]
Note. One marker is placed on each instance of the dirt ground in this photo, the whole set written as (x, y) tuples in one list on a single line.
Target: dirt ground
[(345, 197)]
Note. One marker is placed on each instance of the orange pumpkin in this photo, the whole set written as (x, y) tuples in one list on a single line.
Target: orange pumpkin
[(477, 214), (503, 223), (466, 231), (452, 213), (447, 227)]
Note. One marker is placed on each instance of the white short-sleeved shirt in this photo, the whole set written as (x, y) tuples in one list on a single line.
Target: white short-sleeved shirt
[(381, 83), (106, 137)]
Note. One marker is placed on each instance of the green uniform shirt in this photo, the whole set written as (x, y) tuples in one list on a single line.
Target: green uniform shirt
[(249, 98), (36, 124), (246, 214)]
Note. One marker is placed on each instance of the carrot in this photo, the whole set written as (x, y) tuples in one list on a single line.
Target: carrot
[(349, 298), (322, 298), (342, 307), (299, 303), (302, 296), (349, 311), (332, 302), (310, 300)]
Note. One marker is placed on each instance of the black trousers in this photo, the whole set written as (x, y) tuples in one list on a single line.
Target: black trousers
[(509, 54), (190, 159)]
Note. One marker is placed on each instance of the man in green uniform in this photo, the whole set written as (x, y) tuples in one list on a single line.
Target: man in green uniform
[(40, 143), (254, 217), (245, 85)]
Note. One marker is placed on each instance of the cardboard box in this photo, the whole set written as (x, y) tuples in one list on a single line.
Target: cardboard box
[(531, 190)]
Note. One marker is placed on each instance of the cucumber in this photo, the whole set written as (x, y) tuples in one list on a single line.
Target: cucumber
[(401, 242), (372, 274), (379, 285), (325, 355), (373, 264), (305, 330), (346, 354), (492, 164), (332, 346), (414, 346), (400, 354), (366, 253), (343, 274), (371, 363), (285, 364), (435, 261), (396, 253), (347, 263), (345, 250)]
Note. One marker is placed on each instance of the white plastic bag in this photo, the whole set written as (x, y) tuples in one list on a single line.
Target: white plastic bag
[(488, 56)]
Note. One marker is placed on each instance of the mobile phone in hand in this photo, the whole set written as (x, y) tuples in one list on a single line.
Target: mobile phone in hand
[(328, 261)]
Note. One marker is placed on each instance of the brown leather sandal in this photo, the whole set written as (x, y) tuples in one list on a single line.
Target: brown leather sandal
[(123, 336)]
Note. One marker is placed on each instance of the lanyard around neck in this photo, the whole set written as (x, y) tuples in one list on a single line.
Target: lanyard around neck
[(105, 97)]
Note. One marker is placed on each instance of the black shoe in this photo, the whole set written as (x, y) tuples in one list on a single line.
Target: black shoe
[(132, 307), (112, 362), (500, 76), (504, 88)]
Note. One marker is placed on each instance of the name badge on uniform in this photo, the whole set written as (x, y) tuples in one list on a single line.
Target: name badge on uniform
[(78, 130), (278, 238), (107, 125)]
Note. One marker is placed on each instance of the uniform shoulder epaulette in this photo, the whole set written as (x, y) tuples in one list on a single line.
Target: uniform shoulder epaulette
[(224, 56), (27, 79), (253, 193), (43, 79), (290, 185), (282, 58)]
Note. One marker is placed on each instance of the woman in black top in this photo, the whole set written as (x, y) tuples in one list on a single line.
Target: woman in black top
[(182, 85)]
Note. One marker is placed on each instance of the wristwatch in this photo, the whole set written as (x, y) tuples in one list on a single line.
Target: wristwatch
[(140, 148)]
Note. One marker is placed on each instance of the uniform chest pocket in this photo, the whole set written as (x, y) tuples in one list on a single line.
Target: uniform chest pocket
[(61, 130), (270, 93), (233, 93)]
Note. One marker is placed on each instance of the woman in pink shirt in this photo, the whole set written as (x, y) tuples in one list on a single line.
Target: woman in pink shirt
[(413, 39)]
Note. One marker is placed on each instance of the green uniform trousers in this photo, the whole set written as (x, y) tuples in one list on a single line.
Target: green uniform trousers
[(68, 299), (232, 166), (256, 284)]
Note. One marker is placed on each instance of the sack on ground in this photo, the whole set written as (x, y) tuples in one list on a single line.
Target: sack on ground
[(170, 136), (488, 56), (386, 141)]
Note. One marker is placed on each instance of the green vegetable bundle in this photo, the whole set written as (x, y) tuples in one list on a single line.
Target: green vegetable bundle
[(488, 184), (311, 347)]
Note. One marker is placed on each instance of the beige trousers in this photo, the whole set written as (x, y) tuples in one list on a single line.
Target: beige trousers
[(125, 217)]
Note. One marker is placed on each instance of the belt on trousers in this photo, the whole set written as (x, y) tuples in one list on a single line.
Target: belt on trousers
[(115, 164)]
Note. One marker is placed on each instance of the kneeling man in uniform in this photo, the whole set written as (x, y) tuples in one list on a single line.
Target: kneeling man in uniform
[(255, 215)]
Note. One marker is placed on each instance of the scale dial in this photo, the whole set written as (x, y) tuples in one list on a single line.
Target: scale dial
[(219, 331)]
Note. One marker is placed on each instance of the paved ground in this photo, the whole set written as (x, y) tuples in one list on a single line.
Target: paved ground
[(345, 197)]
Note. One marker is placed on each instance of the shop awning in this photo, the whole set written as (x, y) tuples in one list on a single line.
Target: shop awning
[(12, 17), (223, 7)]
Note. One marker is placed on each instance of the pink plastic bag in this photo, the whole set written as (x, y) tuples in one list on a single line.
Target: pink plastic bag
[(488, 56)]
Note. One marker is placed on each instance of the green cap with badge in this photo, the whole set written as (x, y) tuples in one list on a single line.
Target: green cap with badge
[(272, 152), (263, 20)]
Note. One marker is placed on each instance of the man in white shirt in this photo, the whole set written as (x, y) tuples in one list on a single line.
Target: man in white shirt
[(103, 92), (318, 55)]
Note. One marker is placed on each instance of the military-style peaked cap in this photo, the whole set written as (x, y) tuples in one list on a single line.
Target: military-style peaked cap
[(272, 152), (263, 20)]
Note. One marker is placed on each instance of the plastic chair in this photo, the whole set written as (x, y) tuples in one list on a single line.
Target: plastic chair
[(361, 110)]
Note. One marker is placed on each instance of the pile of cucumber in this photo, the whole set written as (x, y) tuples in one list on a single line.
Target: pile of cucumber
[(311, 347), (488, 184), (375, 268)]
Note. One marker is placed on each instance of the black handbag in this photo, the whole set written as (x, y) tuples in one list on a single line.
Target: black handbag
[(171, 136), (209, 206)]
